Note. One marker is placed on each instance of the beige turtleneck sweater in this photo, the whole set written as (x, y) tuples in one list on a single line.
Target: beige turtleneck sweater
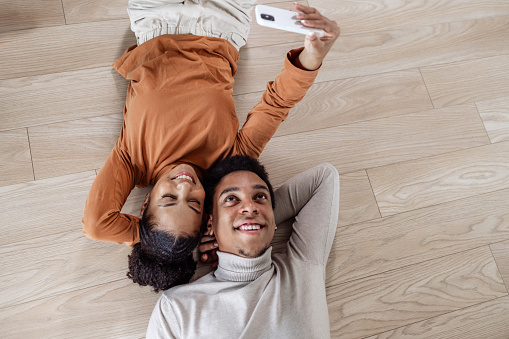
[(277, 295)]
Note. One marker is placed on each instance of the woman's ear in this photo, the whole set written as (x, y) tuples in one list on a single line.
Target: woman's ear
[(210, 230), (145, 203)]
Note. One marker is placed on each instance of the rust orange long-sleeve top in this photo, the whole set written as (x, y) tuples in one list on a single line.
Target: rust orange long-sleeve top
[(180, 109)]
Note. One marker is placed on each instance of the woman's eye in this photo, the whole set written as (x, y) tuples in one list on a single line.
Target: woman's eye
[(194, 201), (169, 196)]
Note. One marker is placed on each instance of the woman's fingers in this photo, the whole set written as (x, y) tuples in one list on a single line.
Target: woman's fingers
[(207, 249), (207, 246), (305, 9), (209, 257), (311, 17)]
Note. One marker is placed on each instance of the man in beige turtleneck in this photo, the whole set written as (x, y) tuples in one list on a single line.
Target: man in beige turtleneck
[(255, 293)]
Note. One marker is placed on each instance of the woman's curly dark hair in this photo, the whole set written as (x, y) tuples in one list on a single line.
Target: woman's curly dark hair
[(160, 259)]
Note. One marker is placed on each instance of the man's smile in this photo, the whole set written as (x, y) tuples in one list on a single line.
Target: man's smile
[(250, 228)]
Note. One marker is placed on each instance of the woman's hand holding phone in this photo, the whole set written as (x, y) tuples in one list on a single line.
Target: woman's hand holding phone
[(316, 48)]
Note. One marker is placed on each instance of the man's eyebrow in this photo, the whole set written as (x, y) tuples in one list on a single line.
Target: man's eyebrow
[(173, 204), (260, 187), (229, 189), (236, 189)]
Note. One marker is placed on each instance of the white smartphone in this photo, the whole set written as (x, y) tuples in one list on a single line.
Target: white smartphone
[(282, 19)]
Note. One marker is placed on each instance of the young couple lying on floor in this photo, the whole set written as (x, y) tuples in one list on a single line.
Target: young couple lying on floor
[(180, 134)]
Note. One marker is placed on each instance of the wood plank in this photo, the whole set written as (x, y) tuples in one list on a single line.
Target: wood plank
[(500, 251), (486, 320), (63, 48), (15, 158), (57, 264), (390, 300), (20, 14), (347, 101), (376, 143), (434, 180), (406, 239), (80, 11), (468, 81), (357, 17), (73, 146), (112, 310), (37, 100), (387, 51), (40, 208), (495, 116)]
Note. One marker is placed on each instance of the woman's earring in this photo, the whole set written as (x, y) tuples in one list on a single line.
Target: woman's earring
[(275, 229)]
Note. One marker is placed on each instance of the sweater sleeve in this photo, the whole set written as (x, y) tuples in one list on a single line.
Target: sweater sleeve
[(102, 217), (312, 197), (163, 323), (281, 95)]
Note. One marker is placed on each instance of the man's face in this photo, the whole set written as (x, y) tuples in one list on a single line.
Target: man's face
[(176, 201), (242, 219)]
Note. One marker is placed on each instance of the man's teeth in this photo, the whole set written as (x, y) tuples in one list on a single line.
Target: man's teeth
[(249, 227)]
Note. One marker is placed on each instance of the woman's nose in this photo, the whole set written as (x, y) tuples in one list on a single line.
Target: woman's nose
[(184, 187)]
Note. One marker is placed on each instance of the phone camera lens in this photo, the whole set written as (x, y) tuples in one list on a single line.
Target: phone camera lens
[(267, 17)]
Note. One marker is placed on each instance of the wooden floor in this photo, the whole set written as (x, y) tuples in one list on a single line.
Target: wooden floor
[(411, 106)]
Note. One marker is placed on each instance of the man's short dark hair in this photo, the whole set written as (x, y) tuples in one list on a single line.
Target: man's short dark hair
[(230, 165)]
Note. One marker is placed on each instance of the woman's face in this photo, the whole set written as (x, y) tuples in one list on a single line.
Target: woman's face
[(176, 201)]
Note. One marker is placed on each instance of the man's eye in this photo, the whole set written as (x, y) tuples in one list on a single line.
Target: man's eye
[(261, 196)]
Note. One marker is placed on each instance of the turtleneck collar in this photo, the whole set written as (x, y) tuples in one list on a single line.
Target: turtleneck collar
[(235, 268)]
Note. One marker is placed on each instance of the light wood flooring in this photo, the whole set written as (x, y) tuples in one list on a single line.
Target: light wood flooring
[(411, 106)]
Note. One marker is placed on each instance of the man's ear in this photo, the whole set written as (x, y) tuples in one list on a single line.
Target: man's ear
[(145, 203), (210, 230)]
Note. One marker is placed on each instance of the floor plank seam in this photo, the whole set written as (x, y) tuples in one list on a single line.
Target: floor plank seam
[(427, 90), (374, 196), (31, 157), (63, 12), (484, 125), (498, 267)]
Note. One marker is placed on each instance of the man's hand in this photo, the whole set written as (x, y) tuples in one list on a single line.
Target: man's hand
[(316, 48), (208, 249)]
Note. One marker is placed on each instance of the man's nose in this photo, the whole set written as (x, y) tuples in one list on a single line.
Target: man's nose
[(248, 208)]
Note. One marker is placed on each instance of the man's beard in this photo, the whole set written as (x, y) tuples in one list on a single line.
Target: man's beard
[(251, 255)]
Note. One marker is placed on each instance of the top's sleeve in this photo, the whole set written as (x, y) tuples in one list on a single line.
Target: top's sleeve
[(281, 95), (102, 218), (312, 197), (163, 323)]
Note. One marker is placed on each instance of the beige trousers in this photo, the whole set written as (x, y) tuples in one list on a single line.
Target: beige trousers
[(225, 19)]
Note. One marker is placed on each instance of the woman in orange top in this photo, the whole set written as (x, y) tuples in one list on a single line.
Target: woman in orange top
[(179, 119)]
